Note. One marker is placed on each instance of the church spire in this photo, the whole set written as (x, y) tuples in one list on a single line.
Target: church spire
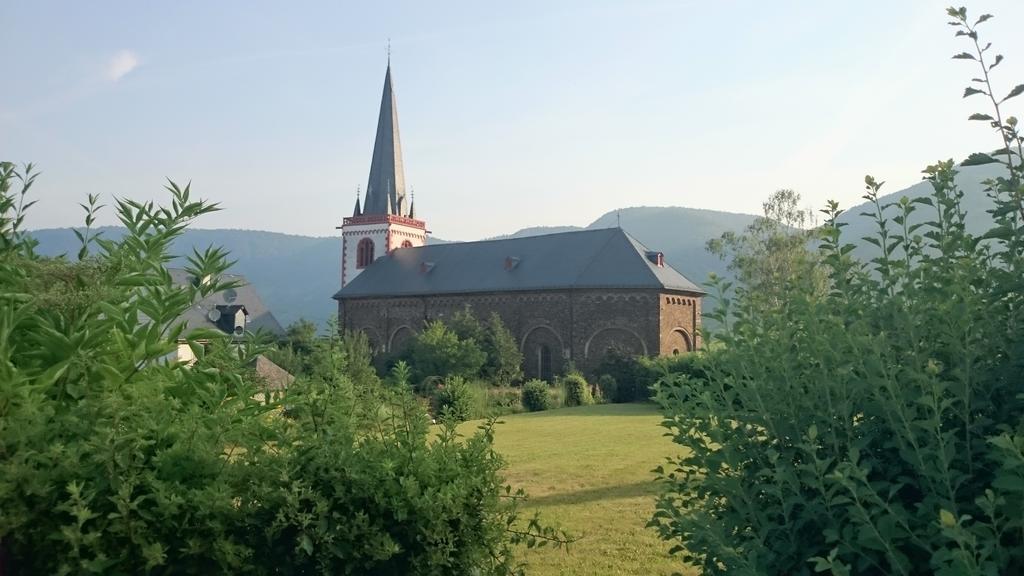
[(385, 191), (358, 211)]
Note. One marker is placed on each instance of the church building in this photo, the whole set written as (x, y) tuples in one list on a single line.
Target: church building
[(566, 297)]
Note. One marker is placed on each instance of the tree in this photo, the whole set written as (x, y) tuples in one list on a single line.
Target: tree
[(773, 250), (439, 352), (115, 460), (504, 364), (466, 326), (873, 424)]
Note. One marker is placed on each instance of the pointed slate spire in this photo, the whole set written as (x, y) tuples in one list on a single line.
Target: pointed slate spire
[(386, 185), (358, 211)]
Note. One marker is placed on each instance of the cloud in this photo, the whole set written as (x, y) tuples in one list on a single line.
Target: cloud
[(121, 64)]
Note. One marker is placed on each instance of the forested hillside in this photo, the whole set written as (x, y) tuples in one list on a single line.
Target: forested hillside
[(297, 275)]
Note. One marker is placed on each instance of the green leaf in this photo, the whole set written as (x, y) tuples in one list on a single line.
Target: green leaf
[(947, 519), (978, 116), (1017, 91), (969, 91), (978, 159), (964, 56)]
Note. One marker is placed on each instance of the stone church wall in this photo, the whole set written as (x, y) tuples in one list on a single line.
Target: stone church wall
[(551, 326)]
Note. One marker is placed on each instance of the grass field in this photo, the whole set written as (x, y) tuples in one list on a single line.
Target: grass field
[(588, 470)]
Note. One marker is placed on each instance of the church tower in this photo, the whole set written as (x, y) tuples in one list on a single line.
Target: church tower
[(386, 220)]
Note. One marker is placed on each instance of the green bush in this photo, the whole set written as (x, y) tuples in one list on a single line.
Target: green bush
[(504, 365), (536, 396), (504, 400), (870, 423), (438, 352), (633, 379), (576, 390), (115, 461), (458, 400), (607, 387)]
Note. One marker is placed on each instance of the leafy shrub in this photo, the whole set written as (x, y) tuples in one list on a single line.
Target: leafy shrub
[(633, 379), (503, 359), (870, 424), (504, 400), (456, 399), (439, 352), (504, 365), (117, 461), (536, 396), (607, 386), (577, 390)]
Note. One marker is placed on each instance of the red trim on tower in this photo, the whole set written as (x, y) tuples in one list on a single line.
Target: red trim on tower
[(384, 219)]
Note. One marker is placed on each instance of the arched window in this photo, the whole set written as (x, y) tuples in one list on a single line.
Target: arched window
[(364, 253), (407, 244)]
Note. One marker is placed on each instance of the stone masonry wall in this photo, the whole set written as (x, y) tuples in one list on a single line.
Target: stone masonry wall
[(551, 326)]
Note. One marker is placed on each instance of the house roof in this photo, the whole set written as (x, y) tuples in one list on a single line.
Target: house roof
[(202, 314), (602, 258), (275, 377)]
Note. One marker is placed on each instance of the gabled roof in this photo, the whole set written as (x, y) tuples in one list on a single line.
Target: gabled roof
[(245, 296), (603, 258), (385, 190)]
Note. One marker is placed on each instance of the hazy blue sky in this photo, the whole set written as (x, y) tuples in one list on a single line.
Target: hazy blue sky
[(512, 114)]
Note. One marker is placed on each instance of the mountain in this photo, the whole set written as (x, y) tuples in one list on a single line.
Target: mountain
[(297, 275)]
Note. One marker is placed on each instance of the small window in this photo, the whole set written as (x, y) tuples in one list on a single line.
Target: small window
[(407, 244), (364, 253)]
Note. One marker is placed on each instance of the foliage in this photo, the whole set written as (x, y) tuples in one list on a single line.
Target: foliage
[(536, 395), (504, 400), (504, 360), (455, 399), (295, 351), (631, 377), (466, 326), (773, 248), (504, 365), (873, 427), (577, 390), (115, 460), (439, 352), (608, 387)]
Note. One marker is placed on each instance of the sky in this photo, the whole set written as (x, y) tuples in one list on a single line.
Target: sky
[(512, 114)]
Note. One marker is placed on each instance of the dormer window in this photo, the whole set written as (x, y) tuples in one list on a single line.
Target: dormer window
[(231, 318), (657, 258), (511, 262), (364, 253), (426, 267)]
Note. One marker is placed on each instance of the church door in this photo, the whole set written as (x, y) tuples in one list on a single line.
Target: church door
[(544, 362)]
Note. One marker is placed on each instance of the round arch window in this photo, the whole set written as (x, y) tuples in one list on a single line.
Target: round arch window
[(364, 253)]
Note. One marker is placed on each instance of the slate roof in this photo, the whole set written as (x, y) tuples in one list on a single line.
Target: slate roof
[(385, 190), (198, 316), (602, 258)]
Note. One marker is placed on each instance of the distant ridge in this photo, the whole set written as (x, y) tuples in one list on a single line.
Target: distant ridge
[(297, 275)]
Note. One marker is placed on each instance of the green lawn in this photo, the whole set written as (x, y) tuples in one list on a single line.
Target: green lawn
[(588, 470)]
